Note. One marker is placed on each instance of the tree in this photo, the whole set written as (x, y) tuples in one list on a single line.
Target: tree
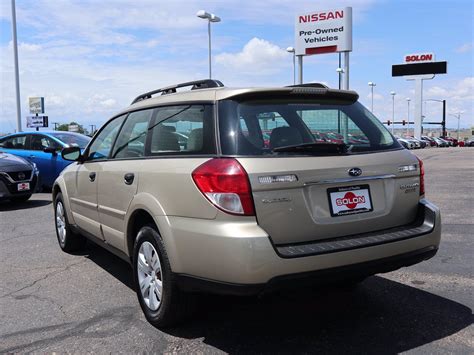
[(65, 127)]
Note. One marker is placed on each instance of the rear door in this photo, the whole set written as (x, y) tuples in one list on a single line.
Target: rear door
[(313, 194), (119, 176)]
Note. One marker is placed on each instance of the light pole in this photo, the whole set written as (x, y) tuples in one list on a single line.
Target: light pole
[(210, 18), (408, 116), (292, 50), (340, 71), (17, 75), (372, 84), (393, 93), (458, 116)]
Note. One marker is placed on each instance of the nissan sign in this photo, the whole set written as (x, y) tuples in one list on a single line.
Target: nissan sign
[(324, 32)]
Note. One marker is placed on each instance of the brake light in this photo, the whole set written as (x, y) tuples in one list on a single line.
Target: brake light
[(225, 184), (422, 177)]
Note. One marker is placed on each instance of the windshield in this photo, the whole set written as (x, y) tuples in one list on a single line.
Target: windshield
[(265, 127), (72, 139)]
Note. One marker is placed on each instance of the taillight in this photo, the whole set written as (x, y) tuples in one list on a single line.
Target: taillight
[(225, 183), (422, 177)]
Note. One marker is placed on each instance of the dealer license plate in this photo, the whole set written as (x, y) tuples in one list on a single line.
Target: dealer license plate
[(24, 186), (349, 200)]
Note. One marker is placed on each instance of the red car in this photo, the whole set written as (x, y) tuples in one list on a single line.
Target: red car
[(452, 141)]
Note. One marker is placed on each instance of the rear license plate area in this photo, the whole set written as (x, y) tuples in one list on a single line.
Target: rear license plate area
[(349, 200)]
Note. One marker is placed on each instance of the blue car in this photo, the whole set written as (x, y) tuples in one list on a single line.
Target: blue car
[(43, 149)]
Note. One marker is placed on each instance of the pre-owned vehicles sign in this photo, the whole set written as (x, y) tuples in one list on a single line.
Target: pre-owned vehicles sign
[(323, 32)]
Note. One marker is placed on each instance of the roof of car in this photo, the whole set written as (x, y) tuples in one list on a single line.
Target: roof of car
[(170, 95)]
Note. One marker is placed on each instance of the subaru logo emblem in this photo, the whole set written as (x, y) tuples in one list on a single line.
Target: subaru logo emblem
[(21, 176), (355, 172)]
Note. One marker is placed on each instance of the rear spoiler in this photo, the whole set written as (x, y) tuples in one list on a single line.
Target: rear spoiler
[(303, 91)]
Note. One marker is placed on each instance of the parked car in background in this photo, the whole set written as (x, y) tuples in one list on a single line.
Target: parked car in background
[(416, 143), (44, 149), (441, 143), (406, 143), (469, 142), (18, 178), (431, 142), (453, 142), (421, 142)]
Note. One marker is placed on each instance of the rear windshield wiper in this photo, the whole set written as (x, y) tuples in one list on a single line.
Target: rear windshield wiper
[(315, 147)]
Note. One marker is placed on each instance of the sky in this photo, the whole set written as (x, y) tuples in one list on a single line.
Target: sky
[(90, 58)]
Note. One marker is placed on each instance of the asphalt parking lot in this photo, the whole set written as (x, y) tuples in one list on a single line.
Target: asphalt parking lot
[(54, 302)]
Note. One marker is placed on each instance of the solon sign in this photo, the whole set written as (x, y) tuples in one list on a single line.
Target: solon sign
[(324, 32), (419, 58)]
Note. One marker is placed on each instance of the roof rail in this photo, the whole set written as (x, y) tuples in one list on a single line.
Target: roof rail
[(309, 85), (198, 84)]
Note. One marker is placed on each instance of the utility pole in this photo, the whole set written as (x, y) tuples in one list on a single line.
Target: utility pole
[(17, 75), (393, 93)]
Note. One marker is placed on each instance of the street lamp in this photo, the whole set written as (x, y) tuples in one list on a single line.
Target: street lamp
[(372, 84), (408, 116), (458, 116), (210, 18), (340, 71), (393, 93), (292, 50)]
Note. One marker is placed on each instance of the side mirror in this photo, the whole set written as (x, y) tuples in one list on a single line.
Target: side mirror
[(71, 153), (50, 150)]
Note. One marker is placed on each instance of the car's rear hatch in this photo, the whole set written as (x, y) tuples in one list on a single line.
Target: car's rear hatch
[(305, 189), (303, 210)]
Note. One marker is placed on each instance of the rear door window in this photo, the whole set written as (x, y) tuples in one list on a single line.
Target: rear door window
[(16, 142), (182, 130)]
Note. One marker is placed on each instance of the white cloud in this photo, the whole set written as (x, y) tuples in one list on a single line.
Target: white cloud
[(257, 56), (467, 47), (377, 97)]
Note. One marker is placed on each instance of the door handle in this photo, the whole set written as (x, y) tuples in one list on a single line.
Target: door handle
[(128, 178), (92, 177), (32, 156)]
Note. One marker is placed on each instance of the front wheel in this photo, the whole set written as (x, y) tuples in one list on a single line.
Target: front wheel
[(162, 302), (67, 239)]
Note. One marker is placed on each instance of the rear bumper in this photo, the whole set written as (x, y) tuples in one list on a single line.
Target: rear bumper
[(226, 256), (325, 276)]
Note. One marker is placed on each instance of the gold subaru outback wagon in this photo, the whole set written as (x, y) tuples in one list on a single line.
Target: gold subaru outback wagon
[(241, 191)]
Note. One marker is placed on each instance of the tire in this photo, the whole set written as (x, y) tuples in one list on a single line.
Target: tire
[(151, 268), (67, 239), (23, 198)]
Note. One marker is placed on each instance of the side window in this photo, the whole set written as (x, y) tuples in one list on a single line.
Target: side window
[(17, 142), (186, 129), (100, 147), (132, 137), (39, 142)]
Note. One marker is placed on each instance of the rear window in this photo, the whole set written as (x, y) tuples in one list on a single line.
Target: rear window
[(260, 127)]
